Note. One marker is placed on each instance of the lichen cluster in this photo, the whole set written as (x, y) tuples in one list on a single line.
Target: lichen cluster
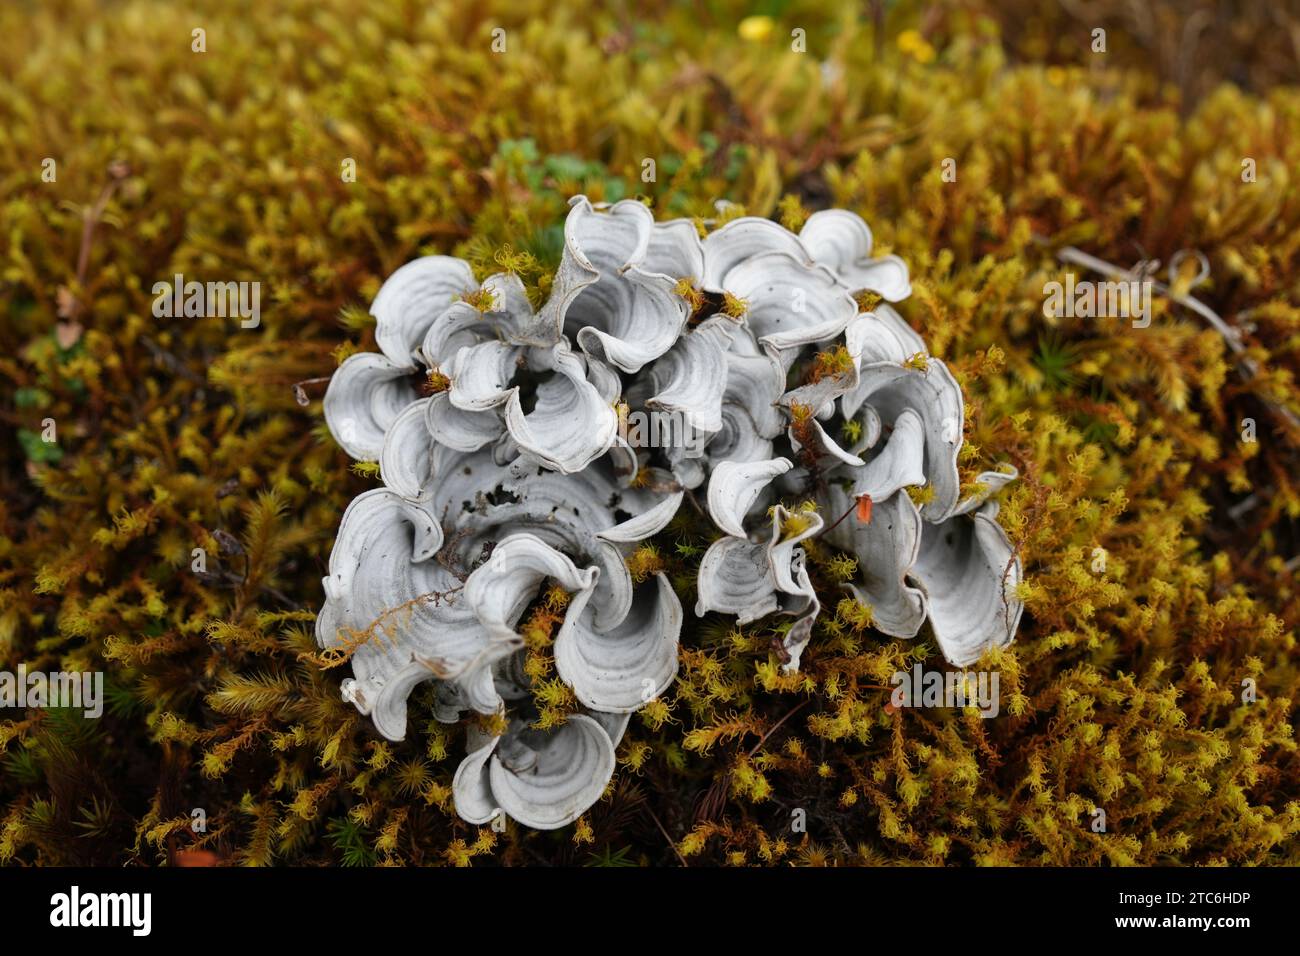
[(757, 346), (1155, 666)]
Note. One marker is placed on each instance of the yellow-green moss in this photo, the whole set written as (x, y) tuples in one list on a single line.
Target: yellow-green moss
[(1149, 599)]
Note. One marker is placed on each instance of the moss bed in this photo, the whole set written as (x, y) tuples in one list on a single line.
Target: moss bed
[(1159, 542)]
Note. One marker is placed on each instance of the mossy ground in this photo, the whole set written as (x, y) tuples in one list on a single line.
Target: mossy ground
[(1155, 540)]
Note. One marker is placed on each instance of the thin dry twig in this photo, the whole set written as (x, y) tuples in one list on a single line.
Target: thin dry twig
[(71, 306), (1247, 366), (681, 859)]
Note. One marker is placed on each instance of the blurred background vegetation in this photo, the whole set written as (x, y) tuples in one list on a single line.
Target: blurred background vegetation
[(1124, 689)]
